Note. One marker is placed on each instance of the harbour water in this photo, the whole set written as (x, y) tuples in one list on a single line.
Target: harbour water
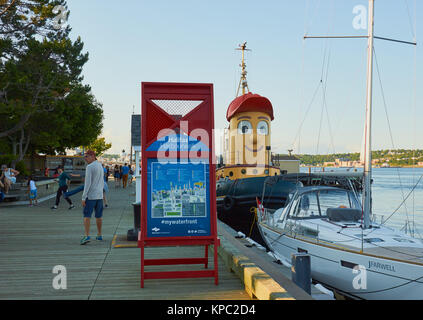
[(390, 188)]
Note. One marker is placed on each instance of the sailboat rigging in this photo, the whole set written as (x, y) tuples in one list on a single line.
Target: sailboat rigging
[(367, 208), (336, 230)]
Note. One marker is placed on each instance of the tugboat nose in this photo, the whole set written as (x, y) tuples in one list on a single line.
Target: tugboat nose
[(252, 143)]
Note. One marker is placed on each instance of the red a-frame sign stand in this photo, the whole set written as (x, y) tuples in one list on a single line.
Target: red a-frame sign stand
[(177, 98)]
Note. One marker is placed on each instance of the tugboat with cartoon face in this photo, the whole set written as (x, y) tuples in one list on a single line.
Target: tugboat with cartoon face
[(248, 161), (248, 172)]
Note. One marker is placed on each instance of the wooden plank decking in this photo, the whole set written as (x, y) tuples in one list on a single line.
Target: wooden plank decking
[(33, 240)]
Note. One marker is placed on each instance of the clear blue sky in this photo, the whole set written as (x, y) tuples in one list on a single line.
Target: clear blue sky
[(194, 40)]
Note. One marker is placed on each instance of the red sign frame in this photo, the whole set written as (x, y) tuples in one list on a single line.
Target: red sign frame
[(155, 119)]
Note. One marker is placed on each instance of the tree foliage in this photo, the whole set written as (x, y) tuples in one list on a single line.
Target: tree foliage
[(44, 106), (100, 146), (76, 121), (398, 157)]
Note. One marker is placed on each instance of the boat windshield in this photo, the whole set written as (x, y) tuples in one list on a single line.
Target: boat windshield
[(314, 204)]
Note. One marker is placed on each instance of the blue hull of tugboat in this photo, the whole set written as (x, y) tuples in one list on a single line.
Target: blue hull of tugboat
[(235, 198)]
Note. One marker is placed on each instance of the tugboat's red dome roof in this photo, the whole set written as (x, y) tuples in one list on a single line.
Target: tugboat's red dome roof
[(249, 102)]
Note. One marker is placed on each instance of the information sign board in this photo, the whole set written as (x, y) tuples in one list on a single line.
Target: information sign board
[(178, 205)]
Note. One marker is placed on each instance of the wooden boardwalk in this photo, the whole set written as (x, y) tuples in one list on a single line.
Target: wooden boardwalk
[(33, 240)]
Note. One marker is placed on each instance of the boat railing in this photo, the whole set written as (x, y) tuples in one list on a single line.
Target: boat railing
[(298, 229), (378, 218), (267, 216), (410, 228)]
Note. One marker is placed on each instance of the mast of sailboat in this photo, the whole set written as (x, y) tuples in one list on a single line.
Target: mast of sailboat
[(367, 204), (243, 81), (367, 193)]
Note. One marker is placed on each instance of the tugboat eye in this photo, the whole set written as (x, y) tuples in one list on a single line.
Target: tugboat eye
[(245, 127), (263, 128)]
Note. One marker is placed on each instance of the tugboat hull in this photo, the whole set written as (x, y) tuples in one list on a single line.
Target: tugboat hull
[(236, 200)]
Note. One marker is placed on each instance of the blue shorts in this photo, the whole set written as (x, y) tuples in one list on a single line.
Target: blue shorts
[(91, 205), (33, 194)]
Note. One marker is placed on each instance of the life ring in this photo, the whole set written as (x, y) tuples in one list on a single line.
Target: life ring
[(228, 203)]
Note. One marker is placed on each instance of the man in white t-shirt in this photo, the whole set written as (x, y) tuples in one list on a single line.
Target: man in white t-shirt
[(92, 197)]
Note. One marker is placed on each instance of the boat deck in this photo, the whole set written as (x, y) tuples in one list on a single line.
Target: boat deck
[(399, 253), (407, 254)]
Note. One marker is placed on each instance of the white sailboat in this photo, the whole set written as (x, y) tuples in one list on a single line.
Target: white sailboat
[(348, 251)]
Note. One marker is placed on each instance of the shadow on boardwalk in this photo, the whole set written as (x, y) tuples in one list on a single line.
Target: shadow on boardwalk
[(33, 240)]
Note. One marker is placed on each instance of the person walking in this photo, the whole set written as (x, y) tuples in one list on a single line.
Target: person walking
[(106, 187), (63, 188), (125, 173), (105, 192), (120, 175), (106, 174), (131, 174), (92, 197), (116, 174)]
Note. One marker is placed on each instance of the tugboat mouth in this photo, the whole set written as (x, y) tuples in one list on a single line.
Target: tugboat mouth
[(254, 150)]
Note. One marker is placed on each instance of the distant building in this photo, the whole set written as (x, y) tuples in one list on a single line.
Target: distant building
[(329, 164), (290, 164), (345, 162), (73, 152)]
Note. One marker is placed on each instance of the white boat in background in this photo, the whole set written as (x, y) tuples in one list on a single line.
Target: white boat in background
[(349, 253)]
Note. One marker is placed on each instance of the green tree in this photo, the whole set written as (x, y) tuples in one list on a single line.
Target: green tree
[(23, 62), (99, 146), (43, 103), (76, 121)]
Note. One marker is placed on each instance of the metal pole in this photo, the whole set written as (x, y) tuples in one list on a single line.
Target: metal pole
[(368, 145), (137, 177), (301, 271)]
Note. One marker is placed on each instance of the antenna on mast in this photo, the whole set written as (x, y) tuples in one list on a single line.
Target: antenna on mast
[(243, 81)]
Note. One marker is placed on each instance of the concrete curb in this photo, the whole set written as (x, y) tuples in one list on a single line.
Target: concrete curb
[(258, 284)]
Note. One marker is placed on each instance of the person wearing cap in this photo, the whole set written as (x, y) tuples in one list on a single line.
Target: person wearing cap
[(92, 197)]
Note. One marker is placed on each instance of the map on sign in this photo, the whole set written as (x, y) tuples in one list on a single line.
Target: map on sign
[(178, 190)]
